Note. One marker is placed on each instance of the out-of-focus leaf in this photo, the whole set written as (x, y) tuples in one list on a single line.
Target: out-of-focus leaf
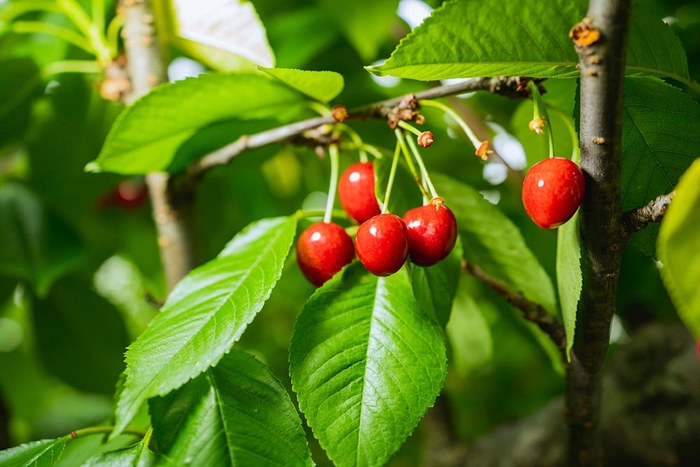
[(237, 413), (320, 85), (366, 363), (35, 245), (679, 249), (205, 314), (569, 278), (313, 32), (80, 336), (19, 83), (147, 135), (660, 139)]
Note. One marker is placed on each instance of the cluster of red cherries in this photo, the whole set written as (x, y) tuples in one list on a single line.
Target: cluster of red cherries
[(383, 241)]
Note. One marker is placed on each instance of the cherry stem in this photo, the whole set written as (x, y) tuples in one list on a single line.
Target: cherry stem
[(392, 174), (319, 108), (414, 149), (407, 126), (97, 430), (359, 144), (540, 111), (333, 151), (455, 116), (308, 213), (409, 161)]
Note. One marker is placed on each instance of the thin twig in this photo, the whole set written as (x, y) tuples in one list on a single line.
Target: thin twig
[(532, 311), (509, 86), (636, 219)]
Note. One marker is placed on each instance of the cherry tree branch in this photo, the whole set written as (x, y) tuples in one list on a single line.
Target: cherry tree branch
[(636, 219), (508, 86), (533, 312), (600, 40), (172, 213)]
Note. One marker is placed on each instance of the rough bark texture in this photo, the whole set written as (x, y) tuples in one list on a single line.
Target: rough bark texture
[(172, 214), (651, 407), (600, 40)]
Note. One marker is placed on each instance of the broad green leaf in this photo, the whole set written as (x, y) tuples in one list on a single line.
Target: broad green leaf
[(19, 82), (44, 453), (366, 363), (226, 35), (205, 314), (147, 135), (365, 23), (137, 455), (495, 244), (463, 39), (35, 245), (74, 324), (237, 413), (435, 287), (660, 139), (320, 85), (468, 331), (679, 248), (569, 278)]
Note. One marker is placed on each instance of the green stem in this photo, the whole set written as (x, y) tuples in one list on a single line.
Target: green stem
[(17, 9), (71, 66), (355, 139), (414, 149), (407, 126), (455, 116), (319, 108), (83, 22), (96, 430), (392, 174), (373, 150), (38, 27), (113, 34), (333, 151), (98, 14), (540, 111), (308, 213), (409, 161)]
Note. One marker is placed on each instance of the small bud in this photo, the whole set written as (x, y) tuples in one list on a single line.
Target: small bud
[(537, 125), (437, 201), (339, 113), (419, 119), (484, 150), (73, 434), (584, 34), (426, 139)]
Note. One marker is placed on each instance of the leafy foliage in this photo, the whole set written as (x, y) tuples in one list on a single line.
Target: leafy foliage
[(205, 314), (237, 413), (320, 85), (569, 279), (366, 363), (42, 453)]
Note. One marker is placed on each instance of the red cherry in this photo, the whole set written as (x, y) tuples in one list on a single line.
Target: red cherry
[(382, 244), (356, 192), (322, 250), (552, 191), (432, 232)]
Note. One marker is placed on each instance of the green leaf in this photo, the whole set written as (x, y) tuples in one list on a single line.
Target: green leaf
[(495, 244), (147, 135), (678, 247), (19, 83), (569, 278), (366, 363), (74, 324), (137, 455), (462, 39), (365, 23), (35, 245), (44, 453), (238, 413), (468, 331), (320, 85), (205, 314), (435, 287), (660, 139), (313, 32)]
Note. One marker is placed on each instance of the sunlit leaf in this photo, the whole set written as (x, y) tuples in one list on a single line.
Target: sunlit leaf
[(44, 453), (366, 363), (320, 85), (679, 249), (237, 413), (205, 314), (137, 455)]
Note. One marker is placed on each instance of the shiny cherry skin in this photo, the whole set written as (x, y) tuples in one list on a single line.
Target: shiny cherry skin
[(356, 192), (322, 250), (553, 190), (432, 232), (382, 244)]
